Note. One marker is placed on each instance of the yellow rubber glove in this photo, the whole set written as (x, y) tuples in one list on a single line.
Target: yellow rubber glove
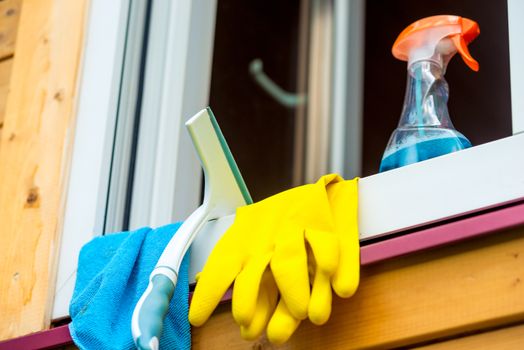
[(343, 198), (274, 232), (268, 232)]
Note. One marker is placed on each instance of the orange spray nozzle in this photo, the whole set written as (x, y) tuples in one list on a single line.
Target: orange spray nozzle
[(437, 38)]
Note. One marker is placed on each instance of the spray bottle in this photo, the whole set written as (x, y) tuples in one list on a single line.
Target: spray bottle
[(425, 130)]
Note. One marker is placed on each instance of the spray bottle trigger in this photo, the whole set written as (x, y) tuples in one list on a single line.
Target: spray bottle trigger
[(462, 48)]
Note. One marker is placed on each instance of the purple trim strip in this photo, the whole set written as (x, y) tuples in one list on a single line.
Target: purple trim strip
[(452, 232), (48, 339), (456, 231)]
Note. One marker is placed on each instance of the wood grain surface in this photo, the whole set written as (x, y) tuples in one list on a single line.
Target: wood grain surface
[(510, 338), (9, 15), (34, 159)]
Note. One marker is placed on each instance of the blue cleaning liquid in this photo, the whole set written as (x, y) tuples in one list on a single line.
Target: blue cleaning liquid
[(423, 150)]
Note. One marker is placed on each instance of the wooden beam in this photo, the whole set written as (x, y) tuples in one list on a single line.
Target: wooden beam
[(500, 339), (9, 15), (34, 159), (5, 74), (447, 291)]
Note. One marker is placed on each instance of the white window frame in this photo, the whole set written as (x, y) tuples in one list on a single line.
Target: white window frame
[(348, 88), (516, 51), (173, 180), (95, 126), (168, 177)]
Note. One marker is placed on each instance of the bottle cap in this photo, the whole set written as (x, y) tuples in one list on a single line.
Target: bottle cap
[(437, 38)]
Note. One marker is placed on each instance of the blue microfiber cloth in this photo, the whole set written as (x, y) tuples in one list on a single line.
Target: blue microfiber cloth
[(113, 272)]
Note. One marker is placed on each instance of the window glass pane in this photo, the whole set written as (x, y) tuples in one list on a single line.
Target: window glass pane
[(259, 130)]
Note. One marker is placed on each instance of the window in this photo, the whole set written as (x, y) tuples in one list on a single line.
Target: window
[(308, 109)]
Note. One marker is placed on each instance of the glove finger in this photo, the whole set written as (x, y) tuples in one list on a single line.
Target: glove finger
[(281, 325), (220, 270), (325, 248), (290, 269), (325, 255), (321, 298), (266, 303), (346, 279), (343, 197), (246, 289)]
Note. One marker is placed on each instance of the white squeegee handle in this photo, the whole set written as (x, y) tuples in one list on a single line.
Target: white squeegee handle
[(225, 191), (151, 309)]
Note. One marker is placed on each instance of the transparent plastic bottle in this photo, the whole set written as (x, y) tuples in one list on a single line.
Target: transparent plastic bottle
[(425, 130)]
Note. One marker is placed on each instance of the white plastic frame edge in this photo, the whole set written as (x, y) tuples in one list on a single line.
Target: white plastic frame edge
[(89, 177)]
